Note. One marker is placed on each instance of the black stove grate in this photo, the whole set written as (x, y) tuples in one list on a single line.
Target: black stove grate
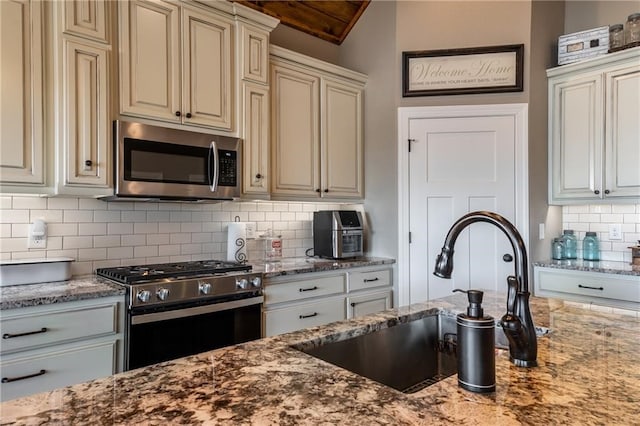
[(140, 273)]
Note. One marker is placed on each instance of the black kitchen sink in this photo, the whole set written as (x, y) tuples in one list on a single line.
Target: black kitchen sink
[(407, 357)]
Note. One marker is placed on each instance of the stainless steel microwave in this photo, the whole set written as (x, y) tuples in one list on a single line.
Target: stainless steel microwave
[(158, 163)]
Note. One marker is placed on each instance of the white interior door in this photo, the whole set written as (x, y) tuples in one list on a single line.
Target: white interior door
[(460, 163)]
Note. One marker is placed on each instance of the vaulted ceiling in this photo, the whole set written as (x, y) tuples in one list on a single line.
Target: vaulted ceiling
[(328, 20)]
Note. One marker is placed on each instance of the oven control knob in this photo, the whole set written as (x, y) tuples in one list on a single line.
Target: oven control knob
[(162, 293), (204, 287), (143, 295), (242, 283), (256, 282)]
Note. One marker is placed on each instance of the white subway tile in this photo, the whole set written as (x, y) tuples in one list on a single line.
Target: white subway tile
[(92, 204), (280, 207), (256, 216), (133, 216), (145, 251), (6, 230), (180, 216), (264, 207), (171, 207), (92, 228), (221, 217), (181, 258), (272, 216), (92, 254), (191, 227), (160, 216), (612, 256), (628, 227), (119, 252), (158, 259), (600, 208), (145, 228), (5, 256), (158, 239), (106, 241), (589, 217), (212, 226), (109, 216), (280, 226), (30, 203), (146, 206), (298, 224), (121, 205), (62, 203), (168, 228), (35, 254), (623, 208), (309, 207), (191, 207), (81, 268), (5, 203), (201, 237), (106, 263), (72, 253), (80, 242), (169, 250), (70, 216), (201, 216), (134, 240), (180, 238), (54, 243), (119, 228), (20, 230), (303, 216), (288, 216), (191, 248), (599, 227), (575, 209), (631, 218), (631, 237), (611, 218), (248, 207), (14, 216), (295, 207)]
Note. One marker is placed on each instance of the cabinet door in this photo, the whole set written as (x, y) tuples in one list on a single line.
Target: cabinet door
[(21, 84), (149, 59), (295, 132), (206, 72), (256, 139), (254, 54), (370, 303), (623, 133), (341, 130), (577, 116), (84, 127), (86, 18)]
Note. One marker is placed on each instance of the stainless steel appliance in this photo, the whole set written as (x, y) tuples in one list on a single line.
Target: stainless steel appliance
[(184, 308), (158, 163), (337, 234)]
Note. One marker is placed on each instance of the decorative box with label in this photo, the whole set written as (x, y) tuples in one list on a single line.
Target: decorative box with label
[(575, 47)]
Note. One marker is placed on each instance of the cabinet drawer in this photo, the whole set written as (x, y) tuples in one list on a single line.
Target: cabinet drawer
[(54, 369), (303, 315), (369, 279), (369, 303), (591, 284), (298, 290), (35, 330)]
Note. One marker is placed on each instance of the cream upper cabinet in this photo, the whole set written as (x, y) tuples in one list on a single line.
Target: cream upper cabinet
[(176, 64), (82, 97), (594, 128), (255, 120), (317, 138), (22, 144)]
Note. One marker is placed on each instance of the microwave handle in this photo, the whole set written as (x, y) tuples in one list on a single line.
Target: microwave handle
[(213, 152)]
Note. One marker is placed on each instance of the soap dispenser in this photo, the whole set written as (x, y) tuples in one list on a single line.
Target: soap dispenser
[(475, 346)]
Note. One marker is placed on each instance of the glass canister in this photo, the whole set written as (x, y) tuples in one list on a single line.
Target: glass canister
[(272, 247), (569, 244), (616, 36), (632, 29), (590, 247), (556, 249)]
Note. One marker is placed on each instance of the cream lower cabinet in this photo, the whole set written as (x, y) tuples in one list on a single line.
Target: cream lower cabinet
[(316, 127), (176, 63), (47, 347), (594, 123), (23, 152), (307, 300), (593, 287)]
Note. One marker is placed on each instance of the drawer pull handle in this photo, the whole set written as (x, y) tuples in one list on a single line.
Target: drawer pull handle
[(15, 379), (370, 280), (589, 287), (29, 333), (315, 314), (309, 289)]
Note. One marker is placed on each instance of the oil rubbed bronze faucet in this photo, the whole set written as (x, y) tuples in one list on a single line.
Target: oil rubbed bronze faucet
[(517, 323)]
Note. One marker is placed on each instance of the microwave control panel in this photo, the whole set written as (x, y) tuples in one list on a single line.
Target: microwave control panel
[(228, 163)]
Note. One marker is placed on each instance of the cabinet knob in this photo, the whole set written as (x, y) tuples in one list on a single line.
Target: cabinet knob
[(188, 115), (607, 192), (88, 163), (326, 190), (258, 176), (318, 190), (596, 192), (178, 114)]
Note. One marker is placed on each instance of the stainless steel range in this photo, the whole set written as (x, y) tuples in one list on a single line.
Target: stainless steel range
[(184, 308)]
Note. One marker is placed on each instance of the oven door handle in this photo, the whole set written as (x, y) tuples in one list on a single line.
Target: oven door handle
[(213, 166), (189, 312)]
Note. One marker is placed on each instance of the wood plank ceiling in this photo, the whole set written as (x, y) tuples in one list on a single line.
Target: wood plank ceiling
[(328, 20)]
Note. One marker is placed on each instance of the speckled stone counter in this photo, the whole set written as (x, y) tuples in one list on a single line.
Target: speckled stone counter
[(305, 265), (81, 288), (609, 267), (588, 375)]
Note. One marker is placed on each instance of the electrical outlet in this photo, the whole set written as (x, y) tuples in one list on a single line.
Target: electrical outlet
[(251, 230), (37, 235), (615, 231)]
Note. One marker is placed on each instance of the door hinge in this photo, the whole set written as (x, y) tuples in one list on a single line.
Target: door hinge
[(409, 141), (409, 237)]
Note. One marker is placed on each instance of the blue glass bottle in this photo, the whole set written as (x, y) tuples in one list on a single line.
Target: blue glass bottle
[(557, 250), (569, 244), (590, 247)]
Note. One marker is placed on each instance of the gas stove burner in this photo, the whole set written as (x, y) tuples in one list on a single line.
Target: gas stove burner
[(140, 273)]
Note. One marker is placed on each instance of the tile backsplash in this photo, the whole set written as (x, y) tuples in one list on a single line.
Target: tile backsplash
[(105, 234), (598, 218)]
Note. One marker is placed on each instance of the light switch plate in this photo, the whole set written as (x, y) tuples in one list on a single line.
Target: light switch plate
[(615, 231), (251, 230)]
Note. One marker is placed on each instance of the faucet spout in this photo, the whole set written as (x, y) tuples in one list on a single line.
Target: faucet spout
[(517, 323)]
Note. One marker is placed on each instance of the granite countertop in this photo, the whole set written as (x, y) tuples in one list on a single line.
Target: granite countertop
[(609, 267), (304, 265), (80, 288), (587, 374)]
